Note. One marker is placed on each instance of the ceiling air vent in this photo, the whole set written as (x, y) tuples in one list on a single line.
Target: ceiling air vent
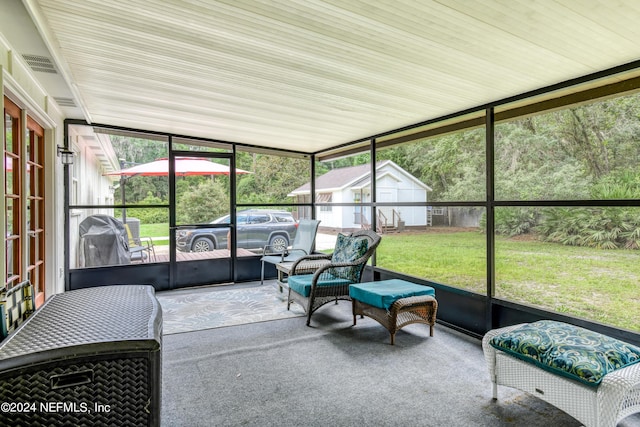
[(65, 102), (40, 63)]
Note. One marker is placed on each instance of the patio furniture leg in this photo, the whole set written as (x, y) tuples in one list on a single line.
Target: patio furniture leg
[(309, 310), (353, 309)]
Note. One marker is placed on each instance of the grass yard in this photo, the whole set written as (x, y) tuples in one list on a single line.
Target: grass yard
[(154, 231), (600, 285)]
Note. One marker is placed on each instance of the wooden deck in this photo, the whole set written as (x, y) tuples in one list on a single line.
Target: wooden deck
[(198, 256)]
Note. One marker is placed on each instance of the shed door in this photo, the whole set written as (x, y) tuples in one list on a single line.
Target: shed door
[(387, 195)]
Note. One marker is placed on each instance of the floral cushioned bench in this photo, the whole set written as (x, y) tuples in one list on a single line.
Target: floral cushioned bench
[(567, 350), (592, 377)]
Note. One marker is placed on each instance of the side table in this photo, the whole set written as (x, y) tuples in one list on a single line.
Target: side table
[(283, 268)]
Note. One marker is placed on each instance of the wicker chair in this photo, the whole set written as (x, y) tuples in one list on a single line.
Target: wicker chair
[(331, 281)]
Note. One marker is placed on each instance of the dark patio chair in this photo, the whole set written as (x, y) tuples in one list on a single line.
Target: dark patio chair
[(331, 281), (303, 244), (140, 248)]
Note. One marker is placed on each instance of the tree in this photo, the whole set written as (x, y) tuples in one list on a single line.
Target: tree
[(452, 165), (133, 151), (208, 201), (272, 178), (529, 164), (602, 136)]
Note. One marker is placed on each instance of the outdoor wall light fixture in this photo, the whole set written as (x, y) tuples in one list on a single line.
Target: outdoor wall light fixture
[(65, 155)]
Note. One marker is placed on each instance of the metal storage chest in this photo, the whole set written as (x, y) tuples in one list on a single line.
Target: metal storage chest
[(86, 357)]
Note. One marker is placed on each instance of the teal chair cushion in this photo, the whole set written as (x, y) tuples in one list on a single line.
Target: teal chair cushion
[(301, 283), (567, 350), (384, 293)]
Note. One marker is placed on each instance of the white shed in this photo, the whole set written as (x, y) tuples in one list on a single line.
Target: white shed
[(353, 185)]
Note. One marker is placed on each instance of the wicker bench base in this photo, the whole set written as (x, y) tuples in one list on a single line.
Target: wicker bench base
[(418, 309)]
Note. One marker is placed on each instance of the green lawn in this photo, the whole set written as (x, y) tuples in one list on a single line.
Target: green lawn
[(154, 231), (600, 285)]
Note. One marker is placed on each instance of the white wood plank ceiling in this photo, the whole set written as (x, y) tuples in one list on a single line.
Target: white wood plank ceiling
[(307, 75)]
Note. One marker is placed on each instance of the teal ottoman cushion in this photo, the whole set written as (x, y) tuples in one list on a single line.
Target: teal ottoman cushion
[(384, 293), (567, 350), (301, 283)]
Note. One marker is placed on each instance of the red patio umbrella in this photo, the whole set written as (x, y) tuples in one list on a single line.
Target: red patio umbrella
[(160, 167), (183, 166)]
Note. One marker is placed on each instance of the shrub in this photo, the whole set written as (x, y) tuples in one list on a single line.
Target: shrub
[(512, 221), (596, 227), (205, 203), (147, 215)]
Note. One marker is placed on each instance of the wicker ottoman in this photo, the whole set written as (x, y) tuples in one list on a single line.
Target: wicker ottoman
[(394, 304)]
